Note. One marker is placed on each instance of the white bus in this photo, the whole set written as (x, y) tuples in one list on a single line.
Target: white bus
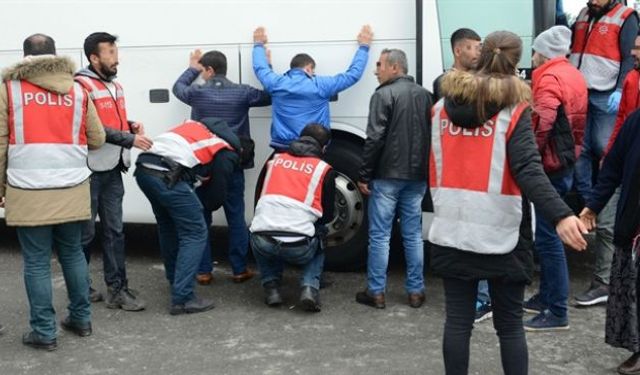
[(156, 37)]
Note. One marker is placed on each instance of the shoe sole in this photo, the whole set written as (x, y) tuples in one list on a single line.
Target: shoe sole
[(41, 347), (531, 311), (124, 307), (592, 302), (484, 317), (366, 303), (549, 329), (310, 305), (276, 303), (190, 311)]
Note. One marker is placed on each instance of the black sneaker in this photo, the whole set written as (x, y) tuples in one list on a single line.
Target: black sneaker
[(546, 321), (36, 341), (123, 299), (533, 305), (597, 293), (193, 306), (483, 311), (79, 328), (94, 295)]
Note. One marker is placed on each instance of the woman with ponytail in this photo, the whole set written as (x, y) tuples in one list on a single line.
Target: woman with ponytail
[(484, 169)]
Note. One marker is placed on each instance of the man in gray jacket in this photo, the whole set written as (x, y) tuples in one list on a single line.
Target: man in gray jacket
[(394, 175), (107, 163)]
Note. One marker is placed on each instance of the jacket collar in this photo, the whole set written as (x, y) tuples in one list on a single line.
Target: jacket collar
[(35, 66), (396, 79), (548, 65)]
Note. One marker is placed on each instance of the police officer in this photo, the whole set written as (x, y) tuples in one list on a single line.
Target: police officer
[(296, 201), (166, 174), (47, 125), (107, 163)]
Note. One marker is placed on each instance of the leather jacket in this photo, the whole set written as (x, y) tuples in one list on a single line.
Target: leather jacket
[(398, 134)]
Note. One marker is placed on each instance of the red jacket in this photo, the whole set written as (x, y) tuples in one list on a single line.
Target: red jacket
[(630, 102), (556, 83)]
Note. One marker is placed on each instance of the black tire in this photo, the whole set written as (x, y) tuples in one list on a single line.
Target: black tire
[(348, 235)]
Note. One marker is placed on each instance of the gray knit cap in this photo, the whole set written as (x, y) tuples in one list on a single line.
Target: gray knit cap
[(553, 42)]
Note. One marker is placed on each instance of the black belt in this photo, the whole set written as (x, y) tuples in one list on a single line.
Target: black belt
[(150, 171), (267, 237)]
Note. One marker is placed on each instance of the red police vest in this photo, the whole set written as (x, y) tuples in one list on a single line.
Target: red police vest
[(112, 113), (296, 177), (596, 47), (47, 137), (111, 110), (291, 199), (189, 144), (477, 203)]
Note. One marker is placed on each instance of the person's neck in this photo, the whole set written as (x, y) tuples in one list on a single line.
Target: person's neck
[(458, 66), (99, 73)]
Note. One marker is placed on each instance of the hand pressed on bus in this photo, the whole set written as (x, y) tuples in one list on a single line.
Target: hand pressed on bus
[(260, 36), (194, 60), (365, 36)]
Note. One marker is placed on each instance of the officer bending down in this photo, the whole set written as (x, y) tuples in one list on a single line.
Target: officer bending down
[(297, 199), (189, 154)]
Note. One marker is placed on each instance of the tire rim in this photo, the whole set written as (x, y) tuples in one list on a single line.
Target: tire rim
[(349, 212)]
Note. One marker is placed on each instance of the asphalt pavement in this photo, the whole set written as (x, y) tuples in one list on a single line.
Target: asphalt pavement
[(242, 336)]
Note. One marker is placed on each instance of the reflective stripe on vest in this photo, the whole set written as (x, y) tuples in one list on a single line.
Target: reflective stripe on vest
[(189, 144), (296, 177), (477, 203), (113, 115), (596, 48), (47, 137)]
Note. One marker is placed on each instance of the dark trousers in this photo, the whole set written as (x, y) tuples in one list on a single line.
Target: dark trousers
[(107, 192), (506, 301), (181, 231)]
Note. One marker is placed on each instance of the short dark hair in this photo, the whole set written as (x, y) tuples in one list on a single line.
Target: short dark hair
[(39, 44), (216, 60), (462, 34), (91, 43), (301, 60), (318, 132)]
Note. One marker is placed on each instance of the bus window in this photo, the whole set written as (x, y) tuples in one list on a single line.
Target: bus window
[(485, 17)]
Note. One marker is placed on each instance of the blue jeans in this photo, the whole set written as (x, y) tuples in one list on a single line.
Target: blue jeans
[(483, 292), (271, 255), (107, 192), (37, 244), (554, 275), (238, 233), (597, 132), (181, 231), (387, 196)]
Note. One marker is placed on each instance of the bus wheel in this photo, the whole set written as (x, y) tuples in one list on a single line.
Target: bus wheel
[(347, 240)]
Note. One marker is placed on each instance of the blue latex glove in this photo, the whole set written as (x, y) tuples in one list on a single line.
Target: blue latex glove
[(614, 101)]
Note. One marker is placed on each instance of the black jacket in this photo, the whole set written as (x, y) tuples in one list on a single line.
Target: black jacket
[(213, 193), (397, 132), (526, 166)]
